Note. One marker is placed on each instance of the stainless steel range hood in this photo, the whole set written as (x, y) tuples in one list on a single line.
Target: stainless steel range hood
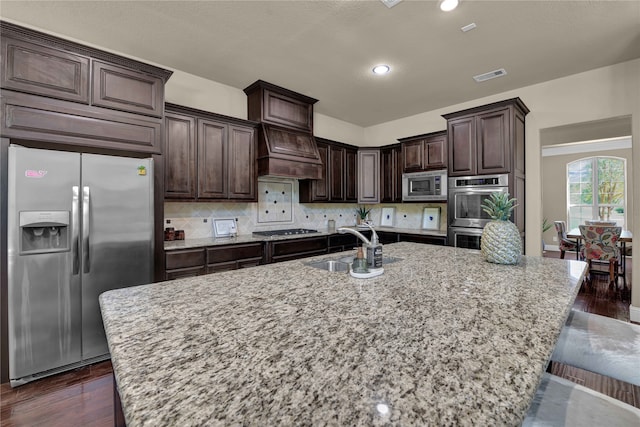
[(288, 153), (286, 147)]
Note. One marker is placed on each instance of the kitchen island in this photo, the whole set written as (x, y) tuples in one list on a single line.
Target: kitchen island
[(441, 338)]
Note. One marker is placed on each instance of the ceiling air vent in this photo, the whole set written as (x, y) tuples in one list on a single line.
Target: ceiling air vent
[(490, 75), (390, 3)]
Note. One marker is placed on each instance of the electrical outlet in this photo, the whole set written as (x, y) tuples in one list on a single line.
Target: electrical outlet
[(555, 238)]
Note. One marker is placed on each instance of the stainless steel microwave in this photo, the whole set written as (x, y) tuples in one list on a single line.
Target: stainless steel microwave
[(424, 186)]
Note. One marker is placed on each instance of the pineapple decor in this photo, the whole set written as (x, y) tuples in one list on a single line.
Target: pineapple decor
[(501, 242)]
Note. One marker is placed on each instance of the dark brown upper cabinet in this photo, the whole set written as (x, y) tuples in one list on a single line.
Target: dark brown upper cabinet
[(180, 156), (487, 140), (339, 174), (209, 156), (351, 175), (424, 152), (41, 70), (268, 103), (58, 91), (391, 167), (123, 89)]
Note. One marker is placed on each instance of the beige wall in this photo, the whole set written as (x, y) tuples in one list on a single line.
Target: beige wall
[(554, 185), (196, 92)]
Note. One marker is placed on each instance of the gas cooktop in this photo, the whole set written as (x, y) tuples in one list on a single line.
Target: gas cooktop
[(286, 232)]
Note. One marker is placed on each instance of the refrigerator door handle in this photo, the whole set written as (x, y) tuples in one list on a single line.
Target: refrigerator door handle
[(85, 230), (75, 228)]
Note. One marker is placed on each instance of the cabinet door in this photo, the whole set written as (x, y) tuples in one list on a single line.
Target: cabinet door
[(435, 152), (493, 142), (128, 90), (351, 175), (369, 176), (179, 157), (242, 163), (320, 187), (398, 161), (336, 173), (461, 133), (284, 110), (387, 169), (212, 159), (412, 153), (286, 250), (44, 71), (187, 258)]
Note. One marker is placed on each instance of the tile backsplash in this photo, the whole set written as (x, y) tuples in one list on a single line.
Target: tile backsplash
[(280, 198)]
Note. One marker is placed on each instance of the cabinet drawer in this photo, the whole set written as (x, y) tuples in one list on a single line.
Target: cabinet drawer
[(234, 253), (184, 259), (184, 272), (387, 237), (45, 71), (300, 246), (246, 263), (416, 238), (222, 266), (127, 90), (343, 240)]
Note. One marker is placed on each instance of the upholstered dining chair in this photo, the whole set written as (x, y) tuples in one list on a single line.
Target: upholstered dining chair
[(600, 222), (564, 243), (600, 243)]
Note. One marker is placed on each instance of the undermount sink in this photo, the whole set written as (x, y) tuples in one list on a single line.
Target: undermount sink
[(342, 264), (385, 259), (330, 265)]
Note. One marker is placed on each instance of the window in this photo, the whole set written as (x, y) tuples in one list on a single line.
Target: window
[(604, 175)]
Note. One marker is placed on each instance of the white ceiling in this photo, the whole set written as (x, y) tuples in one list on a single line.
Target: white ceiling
[(326, 49)]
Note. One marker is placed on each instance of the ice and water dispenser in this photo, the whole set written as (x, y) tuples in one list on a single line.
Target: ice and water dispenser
[(44, 232)]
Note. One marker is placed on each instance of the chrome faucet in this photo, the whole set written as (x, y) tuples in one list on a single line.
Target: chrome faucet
[(374, 235)]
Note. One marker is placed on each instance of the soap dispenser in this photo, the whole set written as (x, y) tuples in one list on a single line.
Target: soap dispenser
[(359, 263), (374, 252)]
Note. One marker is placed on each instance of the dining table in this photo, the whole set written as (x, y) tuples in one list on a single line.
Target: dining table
[(626, 236)]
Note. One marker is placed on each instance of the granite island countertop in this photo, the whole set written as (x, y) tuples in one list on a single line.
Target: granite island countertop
[(441, 338)]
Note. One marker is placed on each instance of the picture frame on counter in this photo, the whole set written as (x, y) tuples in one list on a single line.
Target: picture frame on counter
[(387, 218), (225, 227), (431, 219)]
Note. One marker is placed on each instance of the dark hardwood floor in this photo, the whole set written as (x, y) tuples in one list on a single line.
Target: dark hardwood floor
[(84, 397)]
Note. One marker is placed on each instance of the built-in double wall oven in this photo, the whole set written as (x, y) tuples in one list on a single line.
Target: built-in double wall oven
[(466, 217)]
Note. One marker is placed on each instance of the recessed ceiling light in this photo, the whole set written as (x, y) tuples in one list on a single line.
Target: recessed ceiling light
[(448, 5), (381, 69)]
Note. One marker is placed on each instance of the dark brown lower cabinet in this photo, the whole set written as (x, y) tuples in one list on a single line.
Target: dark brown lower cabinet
[(184, 263), (342, 242), (212, 259), (285, 250), (233, 257), (421, 238)]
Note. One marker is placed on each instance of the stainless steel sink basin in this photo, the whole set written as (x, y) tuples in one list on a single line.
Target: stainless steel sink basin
[(330, 265), (385, 260), (342, 264)]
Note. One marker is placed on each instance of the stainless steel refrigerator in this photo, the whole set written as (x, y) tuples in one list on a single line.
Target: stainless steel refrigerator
[(78, 225)]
